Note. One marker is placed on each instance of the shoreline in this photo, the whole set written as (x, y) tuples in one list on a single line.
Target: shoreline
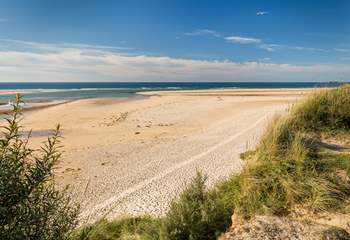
[(231, 92), (35, 106), (31, 106)]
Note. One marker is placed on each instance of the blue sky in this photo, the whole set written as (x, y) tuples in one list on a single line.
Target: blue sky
[(174, 40)]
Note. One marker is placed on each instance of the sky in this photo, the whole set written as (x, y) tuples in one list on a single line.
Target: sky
[(168, 40)]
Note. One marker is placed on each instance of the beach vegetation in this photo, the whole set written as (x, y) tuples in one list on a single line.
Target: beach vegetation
[(198, 214), (143, 228), (30, 205), (293, 167)]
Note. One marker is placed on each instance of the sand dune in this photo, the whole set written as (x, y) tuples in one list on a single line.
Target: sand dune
[(133, 157)]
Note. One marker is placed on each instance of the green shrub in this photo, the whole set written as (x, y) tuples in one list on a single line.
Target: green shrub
[(30, 207), (197, 214)]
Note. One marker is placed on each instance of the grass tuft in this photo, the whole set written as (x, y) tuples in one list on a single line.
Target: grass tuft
[(143, 228), (197, 214)]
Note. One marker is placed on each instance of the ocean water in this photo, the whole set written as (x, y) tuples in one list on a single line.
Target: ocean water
[(42, 92)]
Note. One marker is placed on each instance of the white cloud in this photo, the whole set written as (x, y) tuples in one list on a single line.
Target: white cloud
[(242, 40), (57, 46), (275, 47), (257, 42), (341, 50), (202, 32), (271, 47), (56, 62), (265, 59), (261, 13), (305, 48)]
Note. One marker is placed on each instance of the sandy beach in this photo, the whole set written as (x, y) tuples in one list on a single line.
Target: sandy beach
[(130, 157)]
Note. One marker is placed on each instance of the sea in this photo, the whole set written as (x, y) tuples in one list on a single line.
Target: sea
[(51, 91)]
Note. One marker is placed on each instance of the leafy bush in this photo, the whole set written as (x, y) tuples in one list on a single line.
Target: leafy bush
[(197, 214), (30, 207)]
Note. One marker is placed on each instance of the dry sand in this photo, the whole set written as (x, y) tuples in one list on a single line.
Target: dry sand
[(133, 157)]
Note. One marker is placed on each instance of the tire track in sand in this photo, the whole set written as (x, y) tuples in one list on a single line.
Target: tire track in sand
[(107, 205)]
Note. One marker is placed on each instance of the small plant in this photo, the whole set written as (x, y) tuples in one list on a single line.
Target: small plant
[(197, 214), (30, 206)]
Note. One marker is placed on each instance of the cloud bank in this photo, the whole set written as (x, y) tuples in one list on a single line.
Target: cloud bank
[(29, 61)]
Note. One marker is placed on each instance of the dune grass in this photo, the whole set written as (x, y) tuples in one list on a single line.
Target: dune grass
[(326, 110), (199, 213), (286, 173), (145, 228)]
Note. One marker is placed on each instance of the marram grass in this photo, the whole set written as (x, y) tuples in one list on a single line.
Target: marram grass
[(285, 172)]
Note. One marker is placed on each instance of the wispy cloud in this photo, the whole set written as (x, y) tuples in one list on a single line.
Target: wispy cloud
[(265, 59), (55, 46), (81, 62), (203, 32), (261, 13), (276, 47), (343, 50), (257, 42), (40, 47), (306, 48), (271, 47), (242, 40)]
